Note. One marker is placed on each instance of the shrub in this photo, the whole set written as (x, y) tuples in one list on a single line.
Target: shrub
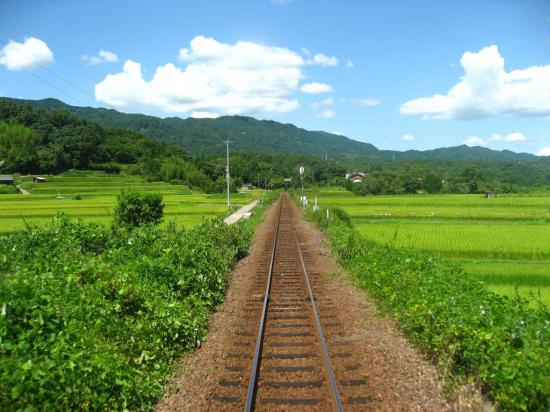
[(8, 190), (498, 342), (134, 209), (92, 318), (336, 216)]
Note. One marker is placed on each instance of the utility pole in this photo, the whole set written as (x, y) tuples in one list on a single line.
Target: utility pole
[(227, 178)]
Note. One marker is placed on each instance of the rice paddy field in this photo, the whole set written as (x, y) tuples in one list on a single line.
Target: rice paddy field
[(503, 242), (92, 196)]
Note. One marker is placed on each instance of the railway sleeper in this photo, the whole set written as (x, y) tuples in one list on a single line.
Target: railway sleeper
[(293, 401), (293, 384)]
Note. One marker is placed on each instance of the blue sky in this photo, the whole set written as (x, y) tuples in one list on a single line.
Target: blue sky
[(400, 75)]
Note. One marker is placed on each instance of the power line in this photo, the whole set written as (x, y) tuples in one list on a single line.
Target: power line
[(67, 81), (54, 87), (56, 75)]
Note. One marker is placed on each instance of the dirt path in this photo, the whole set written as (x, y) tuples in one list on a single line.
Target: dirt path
[(241, 213), (23, 191), (397, 376)]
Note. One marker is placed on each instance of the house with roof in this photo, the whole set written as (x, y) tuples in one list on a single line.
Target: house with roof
[(355, 177), (6, 180)]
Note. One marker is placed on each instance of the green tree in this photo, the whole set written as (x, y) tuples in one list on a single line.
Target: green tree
[(432, 183), (134, 209), (407, 182)]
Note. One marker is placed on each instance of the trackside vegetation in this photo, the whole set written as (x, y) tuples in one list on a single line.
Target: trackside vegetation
[(500, 343), (135, 209), (91, 318)]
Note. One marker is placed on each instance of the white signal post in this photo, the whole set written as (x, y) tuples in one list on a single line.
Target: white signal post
[(227, 178), (302, 172)]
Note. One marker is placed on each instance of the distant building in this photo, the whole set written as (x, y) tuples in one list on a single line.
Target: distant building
[(6, 180), (247, 186), (490, 194), (355, 177), (38, 179)]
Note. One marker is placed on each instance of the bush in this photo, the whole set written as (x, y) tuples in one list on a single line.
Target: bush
[(134, 209), (8, 190), (498, 342), (92, 318), (336, 215), (108, 167)]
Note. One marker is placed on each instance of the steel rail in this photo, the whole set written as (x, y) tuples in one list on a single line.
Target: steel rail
[(321, 336), (252, 383)]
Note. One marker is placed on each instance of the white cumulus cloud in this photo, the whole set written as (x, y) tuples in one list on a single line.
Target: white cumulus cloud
[(368, 102), (475, 141), (238, 78), (408, 137), (28, 55), (487, 89), (545, 151), (316, 88), (512, 137), (324, 60), (204, 115), (349, 64), (104, 56)]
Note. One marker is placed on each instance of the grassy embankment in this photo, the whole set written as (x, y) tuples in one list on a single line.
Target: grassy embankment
[(91, 197), (503, 242), (92, 317), (499, 343)]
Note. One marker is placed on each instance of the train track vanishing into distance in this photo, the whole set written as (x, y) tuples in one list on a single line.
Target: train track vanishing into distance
[(281, 358)]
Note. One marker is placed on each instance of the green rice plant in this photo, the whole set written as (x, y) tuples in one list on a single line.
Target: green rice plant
[(98, 194), (530, 279), (465, 227), (483, 240), (501, 344)]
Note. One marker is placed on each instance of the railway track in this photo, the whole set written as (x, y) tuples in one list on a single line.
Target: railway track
[(282, 357)]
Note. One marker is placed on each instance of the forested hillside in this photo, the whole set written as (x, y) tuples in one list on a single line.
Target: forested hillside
[(33, 140), (205, 136), (39, 141)]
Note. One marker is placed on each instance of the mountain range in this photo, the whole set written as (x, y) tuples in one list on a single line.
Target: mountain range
[(250, 135)]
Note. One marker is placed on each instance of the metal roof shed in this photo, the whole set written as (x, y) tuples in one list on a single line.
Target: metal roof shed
[(6, 180)]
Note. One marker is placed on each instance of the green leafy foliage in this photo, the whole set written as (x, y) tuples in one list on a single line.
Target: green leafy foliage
[(48, 136), (432, 183), (38, 141), (500, 343), (92, 318), (264, 136), (8, 189), (134, 209)]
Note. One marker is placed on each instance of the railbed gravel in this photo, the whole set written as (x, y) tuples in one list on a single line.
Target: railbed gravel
[(398, 375)]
